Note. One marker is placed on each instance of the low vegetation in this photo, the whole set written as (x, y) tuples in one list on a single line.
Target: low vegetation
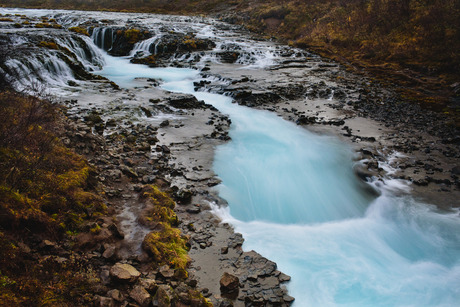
[(46, 193), (165, 244), (79, 30)]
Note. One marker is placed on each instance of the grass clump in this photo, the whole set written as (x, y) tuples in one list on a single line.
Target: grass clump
[(49, 45), (166, 245), (133, 35), (79, 30)]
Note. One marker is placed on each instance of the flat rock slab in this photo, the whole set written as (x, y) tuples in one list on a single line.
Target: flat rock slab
[(124, 272)]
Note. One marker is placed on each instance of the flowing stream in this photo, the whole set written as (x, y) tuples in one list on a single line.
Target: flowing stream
[(294, 197)]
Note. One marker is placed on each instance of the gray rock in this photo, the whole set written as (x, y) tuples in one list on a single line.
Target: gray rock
[(124, 272), (149, 284), (140, 295), (166, 271), (109, 253), (105, 301), (116, 295), (162, 297)]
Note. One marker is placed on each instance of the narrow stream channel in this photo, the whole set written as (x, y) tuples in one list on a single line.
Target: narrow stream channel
[(294, 197)]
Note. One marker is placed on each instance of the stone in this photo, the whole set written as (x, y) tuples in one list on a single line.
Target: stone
[(165, 149), (109, 252), (224, 250), (284, 278), (46, 244), (288, 298), (194, 210), (164, 123), (149, 284), (124, 272), (116, 295), (455, 170), (229, 283), (140, 295), (105, 301), (162, 297), (186, 102), (166, 271), (116, 231)]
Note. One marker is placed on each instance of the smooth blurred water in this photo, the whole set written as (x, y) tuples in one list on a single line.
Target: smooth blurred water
[(294, 197), (124, 73)]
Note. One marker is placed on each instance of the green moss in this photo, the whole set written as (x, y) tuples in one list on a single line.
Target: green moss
[(168, 247), (79, 30), (43, 25), (133, 35), (49, 45)]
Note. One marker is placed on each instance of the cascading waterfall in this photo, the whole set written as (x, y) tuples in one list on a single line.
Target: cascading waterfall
[(47, 68), (50, 67), (103, 37), (146, 47), (85, 51)]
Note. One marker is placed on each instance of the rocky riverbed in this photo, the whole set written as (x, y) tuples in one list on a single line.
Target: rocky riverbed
[(144, 135)]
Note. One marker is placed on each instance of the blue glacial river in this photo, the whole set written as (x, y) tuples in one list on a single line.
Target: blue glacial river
[(294, 197)]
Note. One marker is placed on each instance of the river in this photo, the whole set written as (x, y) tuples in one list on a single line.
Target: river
[(295, 198)]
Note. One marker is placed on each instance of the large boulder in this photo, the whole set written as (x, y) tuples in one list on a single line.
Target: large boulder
[(124, 272)]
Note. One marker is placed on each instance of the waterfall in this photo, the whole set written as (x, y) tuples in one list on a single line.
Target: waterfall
[(49, 67), (103, 37), (146, 47), (85, 51)]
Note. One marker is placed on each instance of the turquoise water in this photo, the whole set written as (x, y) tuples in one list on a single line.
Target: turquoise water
[(294, 197)]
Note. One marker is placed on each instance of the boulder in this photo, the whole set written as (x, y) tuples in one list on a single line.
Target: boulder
[(186, 102), (124, 272)]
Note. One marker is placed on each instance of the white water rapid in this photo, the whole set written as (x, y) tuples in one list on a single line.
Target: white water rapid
[(294, 197)]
